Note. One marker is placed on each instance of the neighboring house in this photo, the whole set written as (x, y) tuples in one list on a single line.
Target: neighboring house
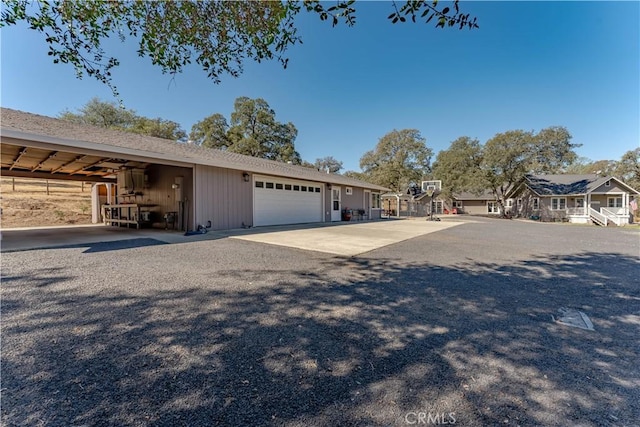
[(475, 204), (574, 198), (157, 181), (404, 204), (417, 201)]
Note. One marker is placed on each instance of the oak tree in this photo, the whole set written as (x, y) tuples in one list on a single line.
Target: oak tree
[(112, 116), (328, 164), (400, 158), (253, 130)]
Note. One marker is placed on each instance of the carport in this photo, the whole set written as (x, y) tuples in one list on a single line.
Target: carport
[(130, 188)]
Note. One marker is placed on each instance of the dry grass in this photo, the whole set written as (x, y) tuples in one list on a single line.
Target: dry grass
[(29, 205)]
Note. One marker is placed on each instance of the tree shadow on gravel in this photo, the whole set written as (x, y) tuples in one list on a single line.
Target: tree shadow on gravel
[(360, 342)]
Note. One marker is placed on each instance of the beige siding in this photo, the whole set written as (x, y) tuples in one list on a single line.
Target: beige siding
[(354, 200), (351, 201), (327, 203), (548, 214), (222, 197), (475, 207), (602, 198), (614, 187)]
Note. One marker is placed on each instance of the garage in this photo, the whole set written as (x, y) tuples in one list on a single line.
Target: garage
[(165, 184), (280, 201)]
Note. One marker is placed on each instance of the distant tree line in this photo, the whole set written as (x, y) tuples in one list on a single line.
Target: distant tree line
[(400, 159), (251, 130), (111, 115)]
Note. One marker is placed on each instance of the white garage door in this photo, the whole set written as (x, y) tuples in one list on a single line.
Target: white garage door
[(279, 201)]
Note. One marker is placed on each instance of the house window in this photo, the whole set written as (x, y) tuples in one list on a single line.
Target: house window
[(580, 203), (492, 207), (269, 184), (296, 188), (457, 204), (509, 203), (259, 184), (349, 191), (607, 184), (375, 201), (287, 186), (279, 186), (535, 203), (614, 202), (303, 188), (519, 203), (558, 203), (317, 189)]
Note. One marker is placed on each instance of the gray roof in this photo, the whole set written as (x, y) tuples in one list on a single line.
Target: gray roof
[(484, 195), (22, 125), (564, 185)]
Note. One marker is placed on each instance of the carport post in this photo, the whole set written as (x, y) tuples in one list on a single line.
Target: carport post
[(95, 204), (109, 194)]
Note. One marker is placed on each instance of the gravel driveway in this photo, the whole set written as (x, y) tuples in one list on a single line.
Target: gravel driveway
[(451, 327)]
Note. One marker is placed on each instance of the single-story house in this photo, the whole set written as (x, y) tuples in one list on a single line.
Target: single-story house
[(428, 198), (483, 203), (160, 183), (589, 198), (419, 201)]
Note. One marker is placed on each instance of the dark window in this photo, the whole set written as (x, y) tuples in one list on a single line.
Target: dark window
[(259, 184), (317, 189), (303, 188), (279, 186), (296, 188), (287, 186), (269, 184)]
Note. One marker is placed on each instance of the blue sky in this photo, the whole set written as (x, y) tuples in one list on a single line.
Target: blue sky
[(529, 66)]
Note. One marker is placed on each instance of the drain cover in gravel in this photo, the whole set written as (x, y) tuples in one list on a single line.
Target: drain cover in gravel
[(575, 318)]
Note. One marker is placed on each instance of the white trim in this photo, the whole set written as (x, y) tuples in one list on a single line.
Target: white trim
[(495, 207), (621, 197), (364, 202), (558, 208), (331, 210)]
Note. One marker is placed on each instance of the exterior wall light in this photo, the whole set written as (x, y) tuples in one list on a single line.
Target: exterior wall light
[(245, 177)]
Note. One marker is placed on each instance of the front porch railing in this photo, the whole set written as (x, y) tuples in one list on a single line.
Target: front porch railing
[(576, 212), (613, 217), (598, 217)]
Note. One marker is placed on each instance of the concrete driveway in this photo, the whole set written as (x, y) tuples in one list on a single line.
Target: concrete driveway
[(333, 238), (350, 239)]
